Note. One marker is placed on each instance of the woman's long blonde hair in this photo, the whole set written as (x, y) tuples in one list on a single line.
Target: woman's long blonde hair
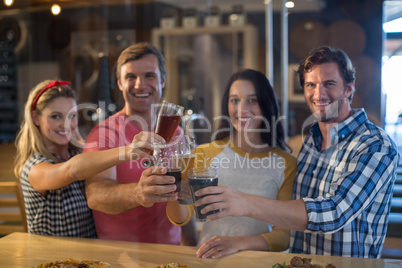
[(29, 139)]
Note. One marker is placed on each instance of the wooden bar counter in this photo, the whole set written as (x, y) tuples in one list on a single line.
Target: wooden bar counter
[(19, 250)]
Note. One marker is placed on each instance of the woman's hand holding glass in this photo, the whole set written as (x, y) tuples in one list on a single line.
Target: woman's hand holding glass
[(142, 144)]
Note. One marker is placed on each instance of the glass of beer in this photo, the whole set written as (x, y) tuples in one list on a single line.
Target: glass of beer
[(186, 150), (168, 156), (169, 117), (198, 178)]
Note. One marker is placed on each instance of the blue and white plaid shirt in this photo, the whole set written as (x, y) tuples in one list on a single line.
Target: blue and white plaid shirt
[(347, 189)]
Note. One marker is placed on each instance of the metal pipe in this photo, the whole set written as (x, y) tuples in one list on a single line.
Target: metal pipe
[(269, 49), (284, 66)]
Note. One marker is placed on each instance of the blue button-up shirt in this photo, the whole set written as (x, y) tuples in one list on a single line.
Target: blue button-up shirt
[(347, 189)]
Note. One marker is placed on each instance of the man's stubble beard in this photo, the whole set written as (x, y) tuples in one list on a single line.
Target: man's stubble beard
[(332, 114)]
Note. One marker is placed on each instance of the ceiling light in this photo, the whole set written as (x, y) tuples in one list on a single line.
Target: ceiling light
[(55, 9), (290, 4), (8, 2)]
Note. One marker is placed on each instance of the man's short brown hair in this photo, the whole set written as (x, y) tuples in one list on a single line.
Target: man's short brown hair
[(137, 51), (326, 54)]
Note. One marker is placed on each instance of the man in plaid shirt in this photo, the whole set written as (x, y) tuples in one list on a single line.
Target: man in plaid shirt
[(346, 171)]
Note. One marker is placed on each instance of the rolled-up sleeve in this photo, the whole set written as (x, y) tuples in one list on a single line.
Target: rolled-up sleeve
[(365, 181)]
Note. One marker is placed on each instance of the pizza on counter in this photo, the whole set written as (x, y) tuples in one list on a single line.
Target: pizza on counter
[(296, 262), (172, 265), (71, 263)]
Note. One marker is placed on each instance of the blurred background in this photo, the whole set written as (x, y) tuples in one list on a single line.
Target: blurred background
[(204, 42)]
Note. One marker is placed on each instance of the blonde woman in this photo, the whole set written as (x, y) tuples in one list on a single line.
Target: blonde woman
[(50, 165)]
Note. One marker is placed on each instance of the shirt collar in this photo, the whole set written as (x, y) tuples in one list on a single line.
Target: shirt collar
[(341, 130)]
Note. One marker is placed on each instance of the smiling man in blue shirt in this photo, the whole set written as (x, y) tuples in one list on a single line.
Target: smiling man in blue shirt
[(346, 168), (346, 171)]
